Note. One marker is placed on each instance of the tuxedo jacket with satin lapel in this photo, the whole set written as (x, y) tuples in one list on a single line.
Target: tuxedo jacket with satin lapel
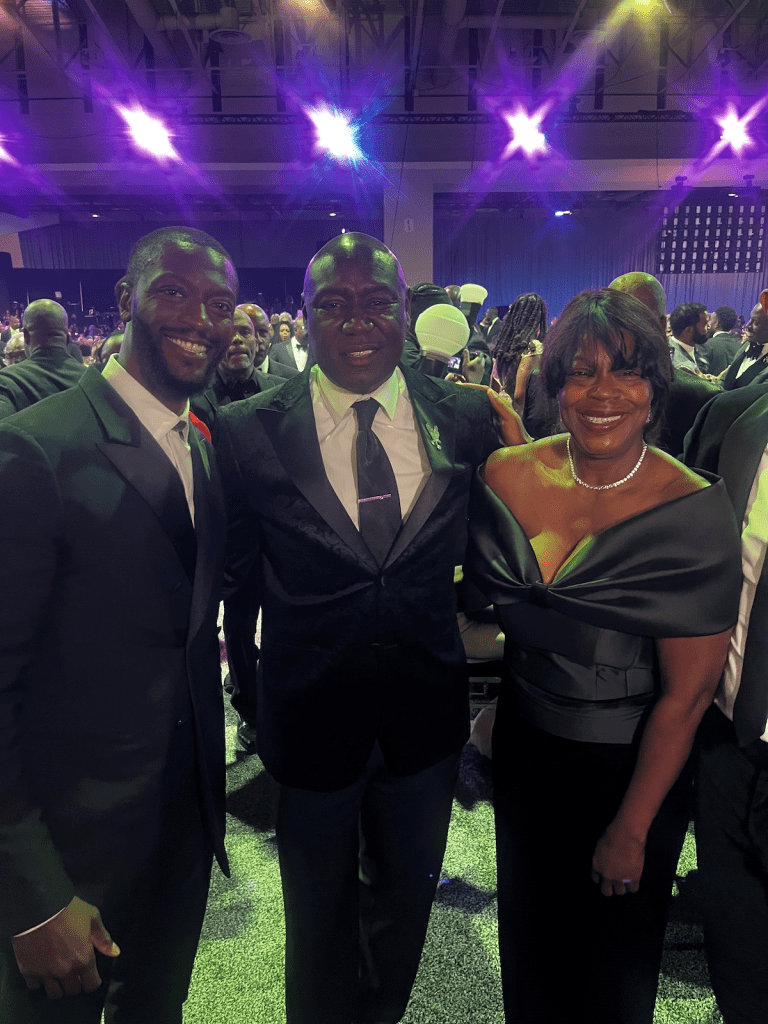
[(351, 652), (756, 374), (109, 599), (282, 352), (729, 438)]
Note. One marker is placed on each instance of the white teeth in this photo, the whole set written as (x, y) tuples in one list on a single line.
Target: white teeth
[(602, 419), (364, 352), (189, 346)]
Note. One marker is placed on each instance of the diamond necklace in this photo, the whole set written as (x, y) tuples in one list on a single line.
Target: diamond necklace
[(602, 487)]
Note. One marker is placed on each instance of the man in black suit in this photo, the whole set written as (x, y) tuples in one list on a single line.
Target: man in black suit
[(112, 742), (49, 367), (721, 346), (288, 348), (730, 438), (362, 704), (236, 376), (263, 335), (750, 364)]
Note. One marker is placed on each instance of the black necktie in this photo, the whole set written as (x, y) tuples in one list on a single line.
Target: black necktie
[(378, 500)]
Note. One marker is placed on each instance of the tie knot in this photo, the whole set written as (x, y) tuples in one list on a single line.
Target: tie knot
[(365, 412), (178, 428)]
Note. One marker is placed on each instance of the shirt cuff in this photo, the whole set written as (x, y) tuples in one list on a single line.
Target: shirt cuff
[(30, 930)]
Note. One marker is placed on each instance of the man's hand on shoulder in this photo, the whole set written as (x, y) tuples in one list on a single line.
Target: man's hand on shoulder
[(59, 954)]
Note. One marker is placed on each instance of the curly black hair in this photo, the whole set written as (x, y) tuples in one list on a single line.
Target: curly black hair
[(604, 316), (525, 321)]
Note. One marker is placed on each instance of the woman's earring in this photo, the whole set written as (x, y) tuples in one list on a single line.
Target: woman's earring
[(648, 420)]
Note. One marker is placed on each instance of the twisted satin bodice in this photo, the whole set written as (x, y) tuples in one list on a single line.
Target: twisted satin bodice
[(580, 650)]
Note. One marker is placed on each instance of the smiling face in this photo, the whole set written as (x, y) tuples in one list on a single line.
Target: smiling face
[(356, 312), (605, 407), (756, 330), (239, 357), (180, 321)]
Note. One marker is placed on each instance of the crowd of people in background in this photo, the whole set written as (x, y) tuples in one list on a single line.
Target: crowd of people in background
[(591, 456)]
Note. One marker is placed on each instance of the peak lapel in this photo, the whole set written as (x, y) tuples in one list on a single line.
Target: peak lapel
[(210, 530), (141, 461), (289, 422)]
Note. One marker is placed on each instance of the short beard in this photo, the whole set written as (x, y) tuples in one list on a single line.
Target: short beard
[(152, 359)]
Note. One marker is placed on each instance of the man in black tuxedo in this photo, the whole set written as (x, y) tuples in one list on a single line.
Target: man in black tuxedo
[(49, 368), (750, 364), (112, 742), (362, 705), (263, 335), (730, 438), (236, 376)]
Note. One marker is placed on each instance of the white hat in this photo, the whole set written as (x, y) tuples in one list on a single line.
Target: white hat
[(473, 293)]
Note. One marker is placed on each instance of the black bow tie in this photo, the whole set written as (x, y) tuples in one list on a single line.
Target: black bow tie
[(755, 350), (301, 344)]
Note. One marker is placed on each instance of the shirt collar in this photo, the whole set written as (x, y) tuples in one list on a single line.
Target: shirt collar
[(338, 402), (151, 412), (688, 348)]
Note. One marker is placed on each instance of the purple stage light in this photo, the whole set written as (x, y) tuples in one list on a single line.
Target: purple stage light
[(333, 133), (5, 156), (734, 130), (148, 133), (526, 132)]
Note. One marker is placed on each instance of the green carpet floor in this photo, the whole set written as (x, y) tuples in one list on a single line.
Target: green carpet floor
[(238, 975)]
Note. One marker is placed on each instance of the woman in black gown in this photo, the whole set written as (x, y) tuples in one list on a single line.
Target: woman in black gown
[(615, 573)]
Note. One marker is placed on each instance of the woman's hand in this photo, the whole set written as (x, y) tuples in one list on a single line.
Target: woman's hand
[(508, 423), (617, 863)]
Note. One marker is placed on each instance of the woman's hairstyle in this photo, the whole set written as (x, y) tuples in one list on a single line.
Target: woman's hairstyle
[(525, 321), (607, 316)]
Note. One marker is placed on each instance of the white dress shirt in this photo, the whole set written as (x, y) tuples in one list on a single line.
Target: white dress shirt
[(748, 361), (300, 354), (394, 425), (159, 421), (754, 543), (264, 368)]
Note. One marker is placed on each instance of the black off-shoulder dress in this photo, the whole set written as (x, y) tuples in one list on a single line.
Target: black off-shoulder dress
[(582, 677)]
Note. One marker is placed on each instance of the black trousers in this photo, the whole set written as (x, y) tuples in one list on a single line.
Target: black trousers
[(568, 952), (732, 854), (154, 912), (359, 869)]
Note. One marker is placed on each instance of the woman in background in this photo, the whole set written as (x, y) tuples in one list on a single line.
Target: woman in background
[(615, 573), (517, 351)]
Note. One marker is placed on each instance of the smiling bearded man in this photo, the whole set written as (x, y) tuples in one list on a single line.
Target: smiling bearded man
[(347, 489)]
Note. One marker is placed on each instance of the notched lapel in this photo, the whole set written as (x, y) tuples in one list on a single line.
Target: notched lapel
[(289, 423), (741, 451)]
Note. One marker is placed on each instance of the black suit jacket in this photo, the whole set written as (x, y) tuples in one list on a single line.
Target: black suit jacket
[(282, 352), (756, 374), (721, 350), (45, 372), (207, 405), (729, 438), (109, 601), (351, 652), (282, 371)]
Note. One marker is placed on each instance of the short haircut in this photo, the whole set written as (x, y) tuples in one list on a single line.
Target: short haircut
[(726, 318), (151, 246), (603, 317), (685, 316)]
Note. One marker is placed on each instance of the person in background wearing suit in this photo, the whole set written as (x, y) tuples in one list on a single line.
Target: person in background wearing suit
[(263, 335), (287, 349), (750, 364), (730, 438), (721, 346), (112, 746), (347, 489), (49, 367), (689, 392), (689, 332), (236, 377)]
